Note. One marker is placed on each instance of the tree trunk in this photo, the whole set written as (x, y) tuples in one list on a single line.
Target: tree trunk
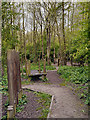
[(0, 43), (42, 41), (34, 35), (72, 19), (72, 31), (54, 46), (24, 40), (63, 33), (20, 34), (59, 39), (47, 41)]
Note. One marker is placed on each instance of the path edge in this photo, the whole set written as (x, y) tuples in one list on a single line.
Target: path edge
[(52, 99), (48, 116)]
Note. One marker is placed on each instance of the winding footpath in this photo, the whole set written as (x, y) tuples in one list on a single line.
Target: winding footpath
[(65, 104)]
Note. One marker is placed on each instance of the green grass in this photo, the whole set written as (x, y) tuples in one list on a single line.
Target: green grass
[(45, 101), (79, 77), (4, 83), (21, 103)]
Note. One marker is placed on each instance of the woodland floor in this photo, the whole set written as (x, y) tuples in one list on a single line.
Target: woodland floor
[(66, 103)]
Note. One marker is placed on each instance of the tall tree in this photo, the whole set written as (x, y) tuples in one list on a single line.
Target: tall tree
[(34, 33), (63, 30), (24, 38), (0, 41)]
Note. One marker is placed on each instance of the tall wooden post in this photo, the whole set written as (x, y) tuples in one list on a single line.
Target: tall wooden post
[(39, 64), (28, 69), (10, 71), (14, 79), (58, 61), (19, 89), (44, 68)]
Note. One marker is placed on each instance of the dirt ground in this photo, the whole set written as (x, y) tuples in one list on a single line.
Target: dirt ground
[(30, 109), (65, 104)]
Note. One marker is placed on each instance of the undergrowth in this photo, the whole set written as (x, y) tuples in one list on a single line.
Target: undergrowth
[(79, 77), (45, 100), (35, 66)]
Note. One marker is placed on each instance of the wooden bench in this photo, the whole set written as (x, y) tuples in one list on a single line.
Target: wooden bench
[(35, 74)]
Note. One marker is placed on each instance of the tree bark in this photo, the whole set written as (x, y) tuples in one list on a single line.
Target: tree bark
[(42, 41), (24, 40), (0, 41), (34, 35), (54, 46), (20, 34), (63, 30)]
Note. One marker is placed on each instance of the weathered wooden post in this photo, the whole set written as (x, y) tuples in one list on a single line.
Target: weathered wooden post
[(10, 71), (28, 69), (39, 64), (14, 80), (15, 77), (10, 112), (18, 76), (58, 61), (44, 68)]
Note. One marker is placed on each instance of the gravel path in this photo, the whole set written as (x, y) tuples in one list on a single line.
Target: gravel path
[(66, 104)]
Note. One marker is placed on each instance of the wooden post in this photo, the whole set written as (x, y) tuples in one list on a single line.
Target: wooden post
[(44, 68), (10, 112), (10, 71), (14, 79), (58, 61), (29, 69), (15, 76), (18, 77), (20, 94), (39, 65), (26, 67)]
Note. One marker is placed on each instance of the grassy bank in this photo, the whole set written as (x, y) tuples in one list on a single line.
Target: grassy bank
[(78, 77)]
